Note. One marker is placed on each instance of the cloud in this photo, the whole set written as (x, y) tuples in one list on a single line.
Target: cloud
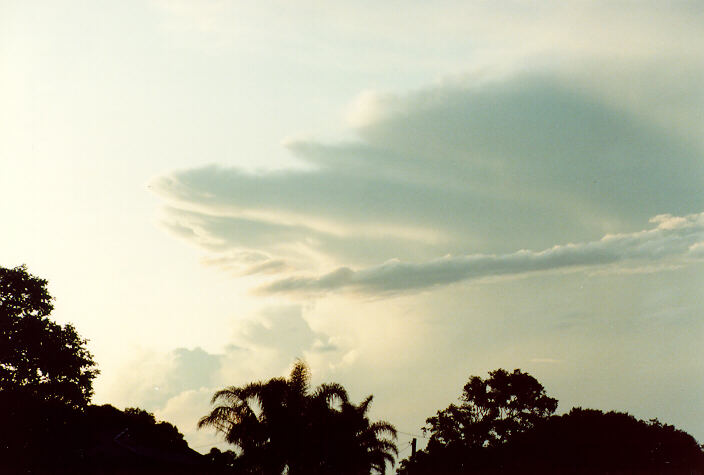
[(246, 263), (697, 249), (466, 166), (673, 237), (177, 385), (570, 122), (184, 410), (151, 379), (264, 343)]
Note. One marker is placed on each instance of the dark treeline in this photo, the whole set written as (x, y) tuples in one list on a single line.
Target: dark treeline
[(39, 436), (505, 424), (47, 424), (502, 424)]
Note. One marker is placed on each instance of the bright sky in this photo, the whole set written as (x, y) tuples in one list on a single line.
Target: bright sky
[(404, 194)]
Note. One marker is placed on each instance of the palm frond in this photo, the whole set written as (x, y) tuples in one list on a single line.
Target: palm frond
[(363, 406), (227, 394), (331, 392), (383, 427), (299, 379), (383, 446)]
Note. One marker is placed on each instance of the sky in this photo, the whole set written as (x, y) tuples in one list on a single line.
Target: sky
[(403, 194)]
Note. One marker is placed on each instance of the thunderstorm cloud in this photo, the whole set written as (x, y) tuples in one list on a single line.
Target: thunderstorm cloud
[(477, 168)]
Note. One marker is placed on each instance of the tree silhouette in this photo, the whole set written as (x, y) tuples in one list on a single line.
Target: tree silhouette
[(281, 426), (46, 422), (504, 425), (491, 411), (223, 462), (353, 444), (592, 441), (38, 357)]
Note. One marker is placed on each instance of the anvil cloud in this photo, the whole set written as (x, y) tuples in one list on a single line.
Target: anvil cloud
[(672, 238), (476, 168)]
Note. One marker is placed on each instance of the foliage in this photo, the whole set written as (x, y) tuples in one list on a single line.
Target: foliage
[(504, 426), (144, 427), (47, 436), (282, 426), (491, 411), (591, 440), (39, 357), (46, 376), (223, 462), (351, 442)]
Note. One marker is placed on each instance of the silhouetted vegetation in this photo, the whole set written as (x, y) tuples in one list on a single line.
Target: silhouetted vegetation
[(39, 436), (594, 441), (491, 411), (504, 425), (39, 357), (223, 462), (46, 376), (280, 426)]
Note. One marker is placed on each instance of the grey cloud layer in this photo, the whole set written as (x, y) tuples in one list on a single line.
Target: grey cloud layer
[(674, 237), (489, 167)]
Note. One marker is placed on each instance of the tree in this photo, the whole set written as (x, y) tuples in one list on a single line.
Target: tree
[(505, 424), (468, 438), (39, 357), (591, 441), (51, 437), (353, 444), (223, 462), (491, 410), (281, 426)]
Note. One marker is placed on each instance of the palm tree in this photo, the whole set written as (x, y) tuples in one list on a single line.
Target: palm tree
[(281, 426), (264, 420), (357, 446)]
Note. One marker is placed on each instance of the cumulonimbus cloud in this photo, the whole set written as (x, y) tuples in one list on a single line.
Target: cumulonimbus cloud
[(673, 237), (477, 169), (520, 162)]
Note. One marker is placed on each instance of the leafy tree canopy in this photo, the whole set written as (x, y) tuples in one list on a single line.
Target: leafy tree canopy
[(38, 356), (491, 411), (281, 426), (504, 424)]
